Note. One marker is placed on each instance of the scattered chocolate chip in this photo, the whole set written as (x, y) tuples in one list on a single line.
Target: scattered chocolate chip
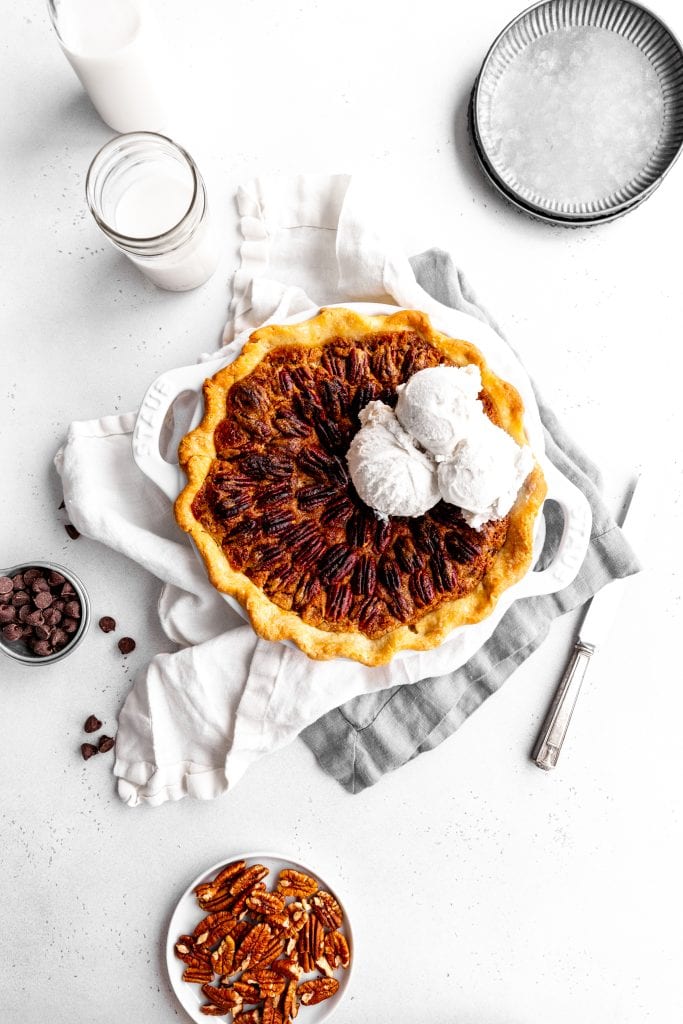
[(11, 632), (105, 744), (72, 609), (41, 647), (6, 585), (43, 599), (7, 613), (92, 724), (72, 531), (107, 624), (87, 750), (55, 578), (126, 644), (20, 597)]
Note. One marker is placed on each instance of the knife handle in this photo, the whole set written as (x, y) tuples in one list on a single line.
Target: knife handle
[(551, 737)]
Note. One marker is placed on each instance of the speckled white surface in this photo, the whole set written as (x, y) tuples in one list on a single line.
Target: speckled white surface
[(484, 890)]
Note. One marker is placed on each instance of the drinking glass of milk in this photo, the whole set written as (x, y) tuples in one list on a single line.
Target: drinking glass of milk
[(114, 49), (149, 199)]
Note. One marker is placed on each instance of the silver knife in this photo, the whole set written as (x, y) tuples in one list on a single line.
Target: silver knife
[(597, 622)]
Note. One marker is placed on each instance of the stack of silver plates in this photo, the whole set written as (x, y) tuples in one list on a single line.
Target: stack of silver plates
[(577, 113)]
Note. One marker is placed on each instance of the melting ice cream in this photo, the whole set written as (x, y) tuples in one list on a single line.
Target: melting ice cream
[(439, 444), (389, 472)]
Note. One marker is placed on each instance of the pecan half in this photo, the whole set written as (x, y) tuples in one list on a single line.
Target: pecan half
[(296, 883), (336, 950), (315, 991), (326, 909), (253, 945)]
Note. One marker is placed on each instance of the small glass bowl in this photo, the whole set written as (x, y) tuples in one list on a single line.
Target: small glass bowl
[(18, 650)]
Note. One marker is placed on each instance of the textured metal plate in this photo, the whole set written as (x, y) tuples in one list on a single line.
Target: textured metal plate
[(643, 31)]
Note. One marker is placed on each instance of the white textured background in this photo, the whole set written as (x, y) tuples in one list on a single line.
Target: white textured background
[(486, 892)]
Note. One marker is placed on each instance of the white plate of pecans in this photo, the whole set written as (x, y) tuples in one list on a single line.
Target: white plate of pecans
[(258, 939)]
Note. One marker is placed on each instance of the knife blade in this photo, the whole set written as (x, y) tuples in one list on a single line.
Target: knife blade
[(597, 622)]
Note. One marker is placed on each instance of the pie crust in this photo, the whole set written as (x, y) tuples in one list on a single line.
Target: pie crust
[(276, 519)]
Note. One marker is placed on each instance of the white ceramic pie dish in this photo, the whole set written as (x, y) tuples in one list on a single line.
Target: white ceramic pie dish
[(185, 384)]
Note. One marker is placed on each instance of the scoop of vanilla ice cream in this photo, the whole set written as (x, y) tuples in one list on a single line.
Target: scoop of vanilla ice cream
[(390, 474), (485, 473), (436, 406)]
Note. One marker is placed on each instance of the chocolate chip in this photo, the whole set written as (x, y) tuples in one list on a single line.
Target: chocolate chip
[(41, 632), (7, 613), (72, 531), (20, 597), (92, 724), (58, 637), (11, 632), (18, 581), (43, 599), (105, 744), (72, 609), (24, 612), (41, 647), (40, 585), (52, 616), (6, 585), (67, 590), (30, 575), (35, 618), (58, 605), (55, 578), (107, 624), (87, 751), (126, 644)]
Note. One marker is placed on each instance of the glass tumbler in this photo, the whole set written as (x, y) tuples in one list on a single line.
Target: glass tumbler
[(149, 199), (115, 48)]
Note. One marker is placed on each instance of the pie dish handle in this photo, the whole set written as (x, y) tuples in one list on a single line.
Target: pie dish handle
[(573, 543), (152, 421)]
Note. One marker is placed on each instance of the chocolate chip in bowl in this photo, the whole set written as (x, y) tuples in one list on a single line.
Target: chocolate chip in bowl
[(44, 612)]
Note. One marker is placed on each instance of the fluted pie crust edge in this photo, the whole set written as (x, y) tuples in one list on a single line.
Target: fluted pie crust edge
[(197, 451)]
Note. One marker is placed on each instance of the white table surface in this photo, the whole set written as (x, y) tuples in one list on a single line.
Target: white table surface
[(486, 891)]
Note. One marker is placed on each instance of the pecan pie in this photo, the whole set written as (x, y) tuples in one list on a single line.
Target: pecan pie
[(272, 509)]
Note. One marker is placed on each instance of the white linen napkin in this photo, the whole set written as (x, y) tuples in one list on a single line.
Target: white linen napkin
[(196, 719)]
